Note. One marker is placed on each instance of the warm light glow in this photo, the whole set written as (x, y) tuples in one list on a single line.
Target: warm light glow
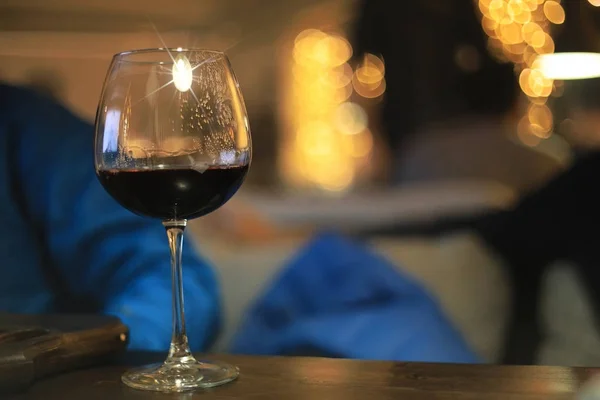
[(525, 135), (569, 66), (362, 144), (530, 29), (182, 73), (541, 120), (539, 84), (369, 77), (519, 31), (554, 12), (350, 118), (338, 77), (330, 134), (595, 3)]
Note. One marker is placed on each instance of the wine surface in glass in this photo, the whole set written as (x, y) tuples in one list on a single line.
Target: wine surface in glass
[(177, 193)]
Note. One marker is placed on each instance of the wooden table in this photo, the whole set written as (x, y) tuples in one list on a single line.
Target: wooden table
[(332, 379)]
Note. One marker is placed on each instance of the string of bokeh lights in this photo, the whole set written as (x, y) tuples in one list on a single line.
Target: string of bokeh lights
[(519, 31)]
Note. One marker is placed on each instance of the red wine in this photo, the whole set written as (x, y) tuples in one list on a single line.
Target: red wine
[(173, 193)]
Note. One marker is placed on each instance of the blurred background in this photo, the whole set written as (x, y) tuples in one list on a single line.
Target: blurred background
[(314, 78), (393, 120)]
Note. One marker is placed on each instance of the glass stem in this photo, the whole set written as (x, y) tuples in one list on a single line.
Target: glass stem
[(179, 351)]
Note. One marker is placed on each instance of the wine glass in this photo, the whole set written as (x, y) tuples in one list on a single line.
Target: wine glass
[(172, 142)]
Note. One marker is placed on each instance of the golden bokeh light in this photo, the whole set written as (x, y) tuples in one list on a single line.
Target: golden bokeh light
[(538, 39), (524, 133), (489, 26), (338, 77), (511, 33), (350, 118), (369, 77), (331, 138), (554, 12), (361, 144), (497, 10), (595, 3), (538, 83), (528, 30), (317, 138), (548, 45), (307, 33), (540, 118), (524, 82), (368, 90), (519, 31)]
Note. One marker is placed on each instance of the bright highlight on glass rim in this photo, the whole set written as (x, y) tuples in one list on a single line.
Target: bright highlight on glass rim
[(569, 66), (182, 73)]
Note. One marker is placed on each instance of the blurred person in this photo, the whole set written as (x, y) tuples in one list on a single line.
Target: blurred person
[(67, 246), (555, 223)]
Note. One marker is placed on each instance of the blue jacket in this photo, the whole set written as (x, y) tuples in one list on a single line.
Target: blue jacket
[(336, 298), (67, 246)]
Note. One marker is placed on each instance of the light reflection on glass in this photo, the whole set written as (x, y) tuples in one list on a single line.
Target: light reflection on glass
[(182, 73), (111, 131)]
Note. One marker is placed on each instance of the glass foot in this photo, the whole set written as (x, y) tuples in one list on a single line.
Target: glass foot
[(180, 377)]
